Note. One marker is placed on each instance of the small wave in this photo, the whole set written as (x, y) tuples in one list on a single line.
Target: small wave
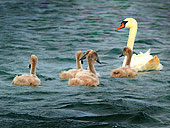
[(163, 99), (20, 99), (44, 28), (36, 93), (148, 42), (113, 51), (46, 78), (61, 59), (37, 121), (23, 116), (143, 118), (52, 49), (4, 73)]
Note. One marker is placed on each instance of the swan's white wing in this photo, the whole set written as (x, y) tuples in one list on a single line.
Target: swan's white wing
[(141, 62)]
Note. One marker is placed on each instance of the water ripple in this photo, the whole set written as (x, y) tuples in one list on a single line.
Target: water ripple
[(54, 31)]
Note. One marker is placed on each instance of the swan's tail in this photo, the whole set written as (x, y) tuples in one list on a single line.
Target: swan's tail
[(65, 75), (153, 64)]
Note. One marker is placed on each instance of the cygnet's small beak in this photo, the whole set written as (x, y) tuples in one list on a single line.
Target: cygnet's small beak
[(84, 57), (29, 66), (121, 55), (98, 61)]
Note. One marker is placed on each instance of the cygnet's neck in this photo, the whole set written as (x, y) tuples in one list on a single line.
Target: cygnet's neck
[(78, 63), (132, 36), (91, 66), (129, 56), (33, 69)]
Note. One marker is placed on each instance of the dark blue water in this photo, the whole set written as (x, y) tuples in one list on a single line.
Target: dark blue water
[(54, 31)]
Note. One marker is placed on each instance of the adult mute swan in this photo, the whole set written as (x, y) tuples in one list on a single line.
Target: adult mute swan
[(30, 79), (72, 72), (125, 71), (87, 77), (142, 61)]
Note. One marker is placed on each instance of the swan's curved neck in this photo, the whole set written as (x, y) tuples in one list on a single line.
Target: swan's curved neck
[(131, 38), (33, 69), (91, 66)]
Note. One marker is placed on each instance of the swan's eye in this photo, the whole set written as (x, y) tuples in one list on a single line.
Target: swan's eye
[(124, 22)]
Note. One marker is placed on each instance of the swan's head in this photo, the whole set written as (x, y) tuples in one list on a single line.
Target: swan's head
[(127, 23), (91, 55), (126, 52)]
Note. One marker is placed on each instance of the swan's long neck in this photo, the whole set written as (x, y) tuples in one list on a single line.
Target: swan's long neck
[(91, 66), (131, 38), (33, 69)]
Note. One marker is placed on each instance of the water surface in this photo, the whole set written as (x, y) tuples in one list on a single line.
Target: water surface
[(54, 31)]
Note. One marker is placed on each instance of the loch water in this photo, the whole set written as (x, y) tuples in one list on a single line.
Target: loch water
[(54, 30)]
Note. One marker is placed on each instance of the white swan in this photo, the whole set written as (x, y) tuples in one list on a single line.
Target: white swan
[(142, 61), (30, 79)]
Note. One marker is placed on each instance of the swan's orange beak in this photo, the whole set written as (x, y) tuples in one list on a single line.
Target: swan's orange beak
[(121, 26)]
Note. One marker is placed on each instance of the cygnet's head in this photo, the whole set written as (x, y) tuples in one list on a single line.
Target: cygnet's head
[(126, 52), (86, 54), (79, 54), (33, 59), (94, 57), (91, 55), (127, 23)]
